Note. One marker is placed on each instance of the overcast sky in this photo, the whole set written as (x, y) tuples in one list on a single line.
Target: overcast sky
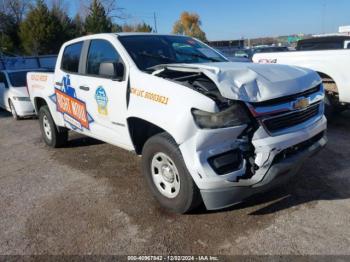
[(225, 19)]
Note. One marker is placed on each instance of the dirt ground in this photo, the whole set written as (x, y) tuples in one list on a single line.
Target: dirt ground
[(89, 198)]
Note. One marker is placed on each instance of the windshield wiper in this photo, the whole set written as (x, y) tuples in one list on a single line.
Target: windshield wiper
[(160, 57), (197, 56)]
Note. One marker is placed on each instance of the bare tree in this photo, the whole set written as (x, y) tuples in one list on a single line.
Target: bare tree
[(112, 9), (16, 8)]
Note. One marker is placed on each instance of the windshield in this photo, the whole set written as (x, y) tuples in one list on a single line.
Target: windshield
[(148, 51), (18, 79)]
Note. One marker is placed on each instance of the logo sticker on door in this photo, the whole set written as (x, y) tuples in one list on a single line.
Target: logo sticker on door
[(73, 109), (102, 101)]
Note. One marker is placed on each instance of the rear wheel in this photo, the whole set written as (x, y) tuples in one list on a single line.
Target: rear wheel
[(13, 111), (167, 175), (50, 133), (332, 103)]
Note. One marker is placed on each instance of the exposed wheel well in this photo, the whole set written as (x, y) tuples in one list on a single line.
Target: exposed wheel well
[(39, 102), (329, 83), (141, 131)]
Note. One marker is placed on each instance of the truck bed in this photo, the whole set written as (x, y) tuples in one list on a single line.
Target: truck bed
[(40, 84)]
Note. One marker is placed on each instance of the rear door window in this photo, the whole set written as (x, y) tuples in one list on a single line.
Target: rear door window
[(71, 57)]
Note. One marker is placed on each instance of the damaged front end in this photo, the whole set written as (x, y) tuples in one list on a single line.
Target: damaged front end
[(240, 158), (238, 150)]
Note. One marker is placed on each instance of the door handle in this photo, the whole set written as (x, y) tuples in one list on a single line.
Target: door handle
[(85, 88)]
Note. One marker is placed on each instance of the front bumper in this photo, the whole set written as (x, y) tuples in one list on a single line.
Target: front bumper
[(23, 108), (277, 174), (219, 191)]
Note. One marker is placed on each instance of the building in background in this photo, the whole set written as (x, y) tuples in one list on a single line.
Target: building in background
[(345, 29), (288, 40), (228, 43)]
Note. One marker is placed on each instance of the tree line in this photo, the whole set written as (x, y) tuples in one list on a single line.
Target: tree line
[(32, 28)]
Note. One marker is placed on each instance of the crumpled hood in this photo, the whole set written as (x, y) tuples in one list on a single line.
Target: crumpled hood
[(251, 82)]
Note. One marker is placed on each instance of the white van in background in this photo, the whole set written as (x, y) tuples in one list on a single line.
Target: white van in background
[(14, 95)]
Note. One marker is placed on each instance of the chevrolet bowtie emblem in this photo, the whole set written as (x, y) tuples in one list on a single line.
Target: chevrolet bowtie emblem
[(301, 103)]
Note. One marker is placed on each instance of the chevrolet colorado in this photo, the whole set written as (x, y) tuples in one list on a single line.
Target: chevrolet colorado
[(208, 130)]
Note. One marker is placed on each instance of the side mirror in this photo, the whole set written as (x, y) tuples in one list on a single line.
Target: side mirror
[(113, 70)]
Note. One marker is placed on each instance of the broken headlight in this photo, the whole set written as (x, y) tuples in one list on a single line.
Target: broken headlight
[(235, 115)]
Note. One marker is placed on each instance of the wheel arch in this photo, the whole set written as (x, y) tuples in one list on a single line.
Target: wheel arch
[(327, 79), (141, 130), (38, 103)]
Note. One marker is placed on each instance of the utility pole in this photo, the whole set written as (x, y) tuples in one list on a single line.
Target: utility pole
[(155, 22), (324, 13)]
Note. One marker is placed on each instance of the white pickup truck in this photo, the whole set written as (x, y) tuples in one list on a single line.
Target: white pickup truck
[(332, 66), (207, 129)]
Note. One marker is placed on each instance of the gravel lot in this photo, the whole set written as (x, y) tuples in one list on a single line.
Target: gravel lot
[(89, 198)]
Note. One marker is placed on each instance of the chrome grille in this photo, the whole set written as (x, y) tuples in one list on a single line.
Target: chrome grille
[(278, 115), (288, 120)]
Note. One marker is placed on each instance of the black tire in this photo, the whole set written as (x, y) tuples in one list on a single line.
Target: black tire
[(58, 137), (13, 111), (332, 106), (328, 106), (188, 196)]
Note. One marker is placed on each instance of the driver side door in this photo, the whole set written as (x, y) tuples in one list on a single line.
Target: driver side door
[(105, 95)]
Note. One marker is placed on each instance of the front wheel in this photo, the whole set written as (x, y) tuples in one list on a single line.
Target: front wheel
[(13, 111), (167, 175), (50, 133)]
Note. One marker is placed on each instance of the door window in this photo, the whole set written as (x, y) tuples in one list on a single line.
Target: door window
[(100, 51), (71, 57)]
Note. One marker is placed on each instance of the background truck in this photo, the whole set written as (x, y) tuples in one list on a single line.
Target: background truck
[(331, 65), (208, 130)]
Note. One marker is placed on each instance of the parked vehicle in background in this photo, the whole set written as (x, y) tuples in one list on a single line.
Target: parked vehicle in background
[(235, 54), (207, 129), (332, 66), (14, 95), (269, 49), (27, 62), (246, 54), (324, 43)]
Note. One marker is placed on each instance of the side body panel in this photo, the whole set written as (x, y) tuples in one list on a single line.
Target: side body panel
[(41, 86), (165, 104)]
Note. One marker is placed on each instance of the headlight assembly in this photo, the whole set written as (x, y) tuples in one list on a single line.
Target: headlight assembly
[(235, 115)]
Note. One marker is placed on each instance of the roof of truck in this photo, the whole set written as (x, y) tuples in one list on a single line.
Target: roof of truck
[(325, 39), (141, 34)]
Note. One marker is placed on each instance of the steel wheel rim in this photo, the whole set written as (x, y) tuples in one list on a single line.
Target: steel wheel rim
[(165, 175), (47, 128)]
